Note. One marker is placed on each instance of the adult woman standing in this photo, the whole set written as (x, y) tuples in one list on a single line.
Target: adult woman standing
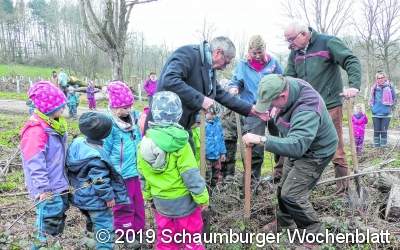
[(382, 101)]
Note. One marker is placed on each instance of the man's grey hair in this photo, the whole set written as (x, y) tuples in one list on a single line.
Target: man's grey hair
[(224, 43), (297, 27)]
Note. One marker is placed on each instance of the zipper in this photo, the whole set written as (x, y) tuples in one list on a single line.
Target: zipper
[(121, 154)]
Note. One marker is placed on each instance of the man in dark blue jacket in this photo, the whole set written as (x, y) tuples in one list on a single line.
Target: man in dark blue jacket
[(190, 72)]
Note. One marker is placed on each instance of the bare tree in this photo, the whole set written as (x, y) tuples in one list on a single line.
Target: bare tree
[(207, 31), (110, 33), (326, 16), (366, 31), (387, 29)]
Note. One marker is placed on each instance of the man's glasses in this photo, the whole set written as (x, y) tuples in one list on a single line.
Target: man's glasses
[(291, 40)]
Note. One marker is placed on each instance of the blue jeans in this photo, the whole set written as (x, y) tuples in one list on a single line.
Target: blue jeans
[(50, 217), (72, 110), (381, 126), (101, 222)]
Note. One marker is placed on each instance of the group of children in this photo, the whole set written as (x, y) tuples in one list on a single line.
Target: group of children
[(103, 167)]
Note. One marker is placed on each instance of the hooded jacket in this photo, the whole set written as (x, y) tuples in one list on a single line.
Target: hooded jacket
[(43, 157), (170, 175), (121, 145), (87, 163)]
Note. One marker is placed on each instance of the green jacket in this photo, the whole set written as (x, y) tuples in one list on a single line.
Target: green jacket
[(319, 64), (305, 125), (177, 187)]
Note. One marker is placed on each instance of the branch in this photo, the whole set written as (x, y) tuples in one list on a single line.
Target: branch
[(128, 3)]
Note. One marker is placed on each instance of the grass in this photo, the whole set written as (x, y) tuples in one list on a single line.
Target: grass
[(25, 70), (267, 167), (14, 180)]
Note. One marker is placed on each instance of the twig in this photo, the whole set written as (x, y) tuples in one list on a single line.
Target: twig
[(13, 194), (359, 174), (4, 171), (50, 197)]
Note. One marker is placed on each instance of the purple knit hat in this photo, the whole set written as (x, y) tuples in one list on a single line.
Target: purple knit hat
[(119, 95), (46, 97)]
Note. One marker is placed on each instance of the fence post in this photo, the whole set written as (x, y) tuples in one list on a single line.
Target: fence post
[(18, 87)]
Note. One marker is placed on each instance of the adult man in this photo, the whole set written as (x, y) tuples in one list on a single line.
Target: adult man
[(63, 80), (190, 72), (308, 141), (316, 58), (246, 77)]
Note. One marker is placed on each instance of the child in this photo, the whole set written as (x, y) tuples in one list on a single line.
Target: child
[(121, 146), (360, 120), (171, 177), (215, 147), (90, 91), (150, 86), (73, 102), (31, 106), (43, 142), (88, 164)]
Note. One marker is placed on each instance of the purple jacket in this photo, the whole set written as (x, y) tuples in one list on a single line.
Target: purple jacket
[(43, 158), (150, 87), (359, 123)]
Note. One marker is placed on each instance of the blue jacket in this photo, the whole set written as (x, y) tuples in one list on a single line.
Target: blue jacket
[(121, 147), (246, 78), (378, 108), (215, 144), (72, 99), (87, 163)]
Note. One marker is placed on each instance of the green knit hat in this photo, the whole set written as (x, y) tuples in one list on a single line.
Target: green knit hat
[(269, 88)]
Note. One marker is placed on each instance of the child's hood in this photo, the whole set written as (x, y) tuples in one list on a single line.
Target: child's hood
[(168, 138), (80, 153)]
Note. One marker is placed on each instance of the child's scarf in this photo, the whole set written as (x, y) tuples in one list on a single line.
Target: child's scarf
[(59, 126)]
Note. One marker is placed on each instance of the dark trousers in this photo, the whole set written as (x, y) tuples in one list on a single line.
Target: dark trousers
[(213, 172), (298, 180), (228, 167), (381, 126)]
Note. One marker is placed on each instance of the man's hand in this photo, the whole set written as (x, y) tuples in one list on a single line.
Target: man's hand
[(350, 92), (44, 196), (251, 139), (110, 203), (207, 103), (234, 91), (223, 158), (263, 116)]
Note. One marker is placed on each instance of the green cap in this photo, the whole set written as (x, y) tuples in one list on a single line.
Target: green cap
[(269, 88)]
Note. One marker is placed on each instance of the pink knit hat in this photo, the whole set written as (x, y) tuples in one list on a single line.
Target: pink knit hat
[(119, 95), (46, 97)]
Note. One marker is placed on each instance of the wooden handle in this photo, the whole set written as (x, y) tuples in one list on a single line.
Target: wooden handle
[(203, 164), (239, 137), (350, 103), (247, 183)]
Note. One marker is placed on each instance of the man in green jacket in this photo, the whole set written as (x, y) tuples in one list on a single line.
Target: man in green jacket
[(317, 58), (308, 141)]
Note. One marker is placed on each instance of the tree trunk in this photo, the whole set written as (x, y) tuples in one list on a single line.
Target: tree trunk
[(117, 62)]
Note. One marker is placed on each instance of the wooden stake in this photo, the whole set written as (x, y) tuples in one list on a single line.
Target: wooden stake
[(203, 164), (247, 183)]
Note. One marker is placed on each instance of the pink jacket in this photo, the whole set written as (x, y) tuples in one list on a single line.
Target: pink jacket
[(359, 123), (150, 87)]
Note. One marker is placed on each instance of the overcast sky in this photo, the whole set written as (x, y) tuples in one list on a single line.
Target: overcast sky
[(177, 22)]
